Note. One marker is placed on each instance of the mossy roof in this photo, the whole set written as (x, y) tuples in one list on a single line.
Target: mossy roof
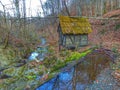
[(75, 25)]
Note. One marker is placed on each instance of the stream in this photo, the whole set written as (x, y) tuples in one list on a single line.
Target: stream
[(81, 76), (40, 52), (85, 75)]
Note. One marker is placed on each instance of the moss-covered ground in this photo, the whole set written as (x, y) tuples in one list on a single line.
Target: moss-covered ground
[(33, 73)]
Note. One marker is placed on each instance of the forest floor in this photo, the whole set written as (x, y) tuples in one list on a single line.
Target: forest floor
[(106, 80)]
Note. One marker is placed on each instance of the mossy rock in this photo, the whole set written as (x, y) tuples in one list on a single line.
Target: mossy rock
[(11, 80), (30, 72), (7, 56), (10, 71), (20, 85), (31, 77), (21, 70)]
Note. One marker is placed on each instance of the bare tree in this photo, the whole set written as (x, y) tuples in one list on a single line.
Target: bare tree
[(16, 2), (6, 30)]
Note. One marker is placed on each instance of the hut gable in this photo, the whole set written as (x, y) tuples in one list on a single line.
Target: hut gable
[(74, 25)]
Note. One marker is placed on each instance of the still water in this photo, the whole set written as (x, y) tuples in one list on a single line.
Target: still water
[(81, 75)]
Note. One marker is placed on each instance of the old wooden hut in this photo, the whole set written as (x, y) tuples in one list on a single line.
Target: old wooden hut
[(73, 31)]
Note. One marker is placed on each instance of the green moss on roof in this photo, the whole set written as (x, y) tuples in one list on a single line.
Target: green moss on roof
[(75, 25)]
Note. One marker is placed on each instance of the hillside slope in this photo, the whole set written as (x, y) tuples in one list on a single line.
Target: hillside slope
[(106, 32), (115, 13)]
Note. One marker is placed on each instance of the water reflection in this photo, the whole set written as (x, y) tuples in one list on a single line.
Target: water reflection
[(80, 76), (60, 82)]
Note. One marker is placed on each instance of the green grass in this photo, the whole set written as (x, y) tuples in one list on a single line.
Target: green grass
[(77, 55), (72, 57)]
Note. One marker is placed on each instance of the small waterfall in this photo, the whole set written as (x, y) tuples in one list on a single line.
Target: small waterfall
[(40, 52)]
